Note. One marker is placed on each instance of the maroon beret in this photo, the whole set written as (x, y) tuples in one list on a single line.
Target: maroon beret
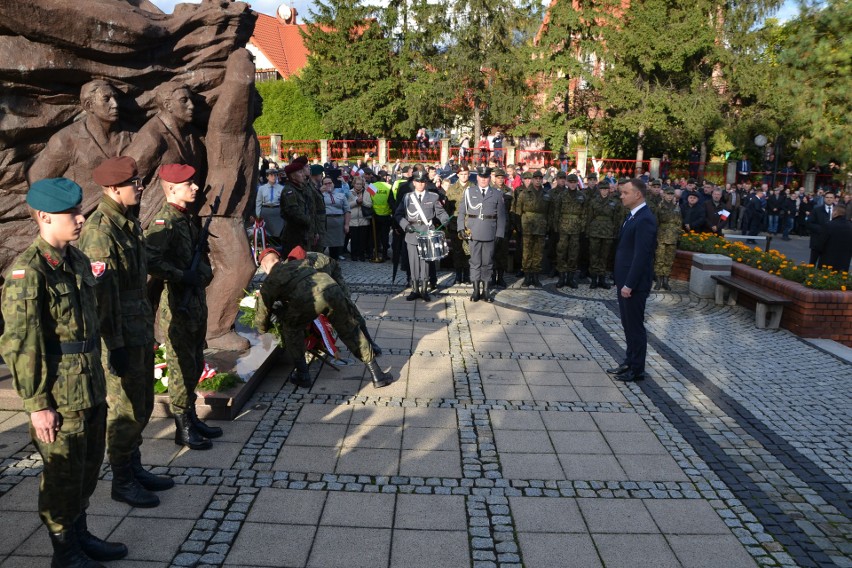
[(301, 160), (266, 251), (115, 171), (294, 167), (176, 173)]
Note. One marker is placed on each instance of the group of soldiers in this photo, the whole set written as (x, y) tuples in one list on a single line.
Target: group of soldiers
[(79, 340)]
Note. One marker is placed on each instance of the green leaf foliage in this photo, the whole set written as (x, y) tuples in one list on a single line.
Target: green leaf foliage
[(288, 111)]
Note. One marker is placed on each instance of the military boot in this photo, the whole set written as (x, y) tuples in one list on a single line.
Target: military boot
[(377, 351), (604, 283), (563, 277), (594, 283), (187, 435), (208, 432), (536, 282), (125, 488), (658, 283), (459, 277), (424, 292), (486, 293), (571, 281), (301, 376), (501, 281), (527, 280), (95, 548), (475, 296), (415, 292), (493, 280), (380, 378), (67, 552), (145, 478), (666, 285), (466, 276)]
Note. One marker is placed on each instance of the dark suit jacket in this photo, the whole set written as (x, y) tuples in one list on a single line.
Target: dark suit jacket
[(835, 244), (634, 255), (818, 220)]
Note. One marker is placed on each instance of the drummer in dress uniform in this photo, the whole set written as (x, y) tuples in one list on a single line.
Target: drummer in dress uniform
[(501, 250), (414, 215), (483, 212), (457, 246), (268, 204)]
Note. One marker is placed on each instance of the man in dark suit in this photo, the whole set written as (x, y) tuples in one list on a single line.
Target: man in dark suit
[(743, 169), (836, 242), (820, 217), (634, 259)]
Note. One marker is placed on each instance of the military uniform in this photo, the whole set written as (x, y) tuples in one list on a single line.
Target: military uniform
[(501, 249), (459, 256), (299, 212), (318, 220), (670, 225), (569, 218), (410, 220), (483, 212), (604, 221), (532, 206)]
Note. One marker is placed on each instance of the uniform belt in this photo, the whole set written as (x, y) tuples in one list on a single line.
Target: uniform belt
[(71, 347), (334, 214), (271, 205), (482, 216)]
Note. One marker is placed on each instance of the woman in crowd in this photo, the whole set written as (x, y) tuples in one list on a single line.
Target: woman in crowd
[(337, 216), (803, 215), (361, 209)]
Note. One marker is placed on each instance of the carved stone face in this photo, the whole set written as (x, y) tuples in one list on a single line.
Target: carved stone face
[(103, 104), (180, 105)]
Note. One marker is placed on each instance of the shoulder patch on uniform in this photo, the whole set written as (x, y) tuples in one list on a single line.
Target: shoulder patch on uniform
[(50, 260), (159, 221), (98, 268), (18, 274)]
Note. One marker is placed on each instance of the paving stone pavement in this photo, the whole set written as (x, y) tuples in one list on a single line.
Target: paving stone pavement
[(503, 444)]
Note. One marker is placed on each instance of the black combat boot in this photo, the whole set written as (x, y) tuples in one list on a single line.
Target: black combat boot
[(424, 292), (459, 277), (563, 278), (527, 280), (572, 280), (145, 478), (208, 432), (187, 435), (95, 548), (466, 276), (415, 292), (486, 293), (594, 283), (658, 283), (125, 488), (67, 552), (666, 285), (301, 376), (536, 282), (493, 280), (604, 283), (475, 296), (380, 378), (501, 281), (377, 351)]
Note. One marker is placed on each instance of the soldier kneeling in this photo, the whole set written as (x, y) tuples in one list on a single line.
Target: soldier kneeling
[(304, 293)]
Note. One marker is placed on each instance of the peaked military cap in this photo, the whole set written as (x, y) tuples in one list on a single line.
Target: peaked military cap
[(420, 175), (572, 177), (483, 171)]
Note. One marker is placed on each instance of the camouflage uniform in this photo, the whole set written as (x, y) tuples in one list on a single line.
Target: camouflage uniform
[(51, 346), (459, 256), (532, 206), (299, 213), (304, 293), (569, 213), (318, 219), (501, 250), (670, 226), (170, 244), (115, 239), (603, 225)]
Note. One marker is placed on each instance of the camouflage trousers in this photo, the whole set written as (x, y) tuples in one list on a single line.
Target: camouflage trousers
[(131, 401), (533, 252), (599, 255), (71, 466), (343, 315), (567, 252), (184, 357), (664, 260)]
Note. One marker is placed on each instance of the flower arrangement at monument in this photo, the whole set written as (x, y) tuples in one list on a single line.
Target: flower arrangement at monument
[(772, 262), (209, 381)]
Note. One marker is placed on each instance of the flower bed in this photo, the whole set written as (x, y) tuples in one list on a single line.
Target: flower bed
[(825, 314)]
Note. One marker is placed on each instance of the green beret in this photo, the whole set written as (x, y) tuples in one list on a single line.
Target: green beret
[(527, 175), (54, 195), (317, 170)]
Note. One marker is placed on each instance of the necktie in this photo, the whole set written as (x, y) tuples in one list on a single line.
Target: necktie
[(629, 217), (420, 197)]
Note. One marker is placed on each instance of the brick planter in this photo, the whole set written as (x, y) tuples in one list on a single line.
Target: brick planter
[(825, 314)]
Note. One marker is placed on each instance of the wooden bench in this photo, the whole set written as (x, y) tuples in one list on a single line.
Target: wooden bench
[(767, 304)]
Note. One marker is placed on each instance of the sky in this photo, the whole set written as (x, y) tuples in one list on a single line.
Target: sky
[(787, 11)]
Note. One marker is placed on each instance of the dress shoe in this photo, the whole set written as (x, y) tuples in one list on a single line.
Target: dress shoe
[(618, 370), (630, 377)]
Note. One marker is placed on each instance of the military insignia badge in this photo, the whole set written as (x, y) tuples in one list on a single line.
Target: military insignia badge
[(159, 221), (98, 269), (18, 274)]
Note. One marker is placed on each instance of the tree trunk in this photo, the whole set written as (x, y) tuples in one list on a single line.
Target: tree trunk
[(477, 130), (703, 160), (640, 151)]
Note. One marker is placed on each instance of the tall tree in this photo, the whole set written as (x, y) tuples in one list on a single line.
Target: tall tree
[(287, 111)]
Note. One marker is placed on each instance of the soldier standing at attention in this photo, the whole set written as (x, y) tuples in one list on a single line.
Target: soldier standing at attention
[(483, 212), (112, 239), (171, 240), (501, 250), (532, 205), (457, 245), (298, 211), (414, 215), (549, 259), (51, 346), (669, 225), (570, 210), (604, 222), (295, 292)]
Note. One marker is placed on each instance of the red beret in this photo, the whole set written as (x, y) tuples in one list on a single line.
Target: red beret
[(267, 251), (301, 160), (298, 253), (115, 171), (293, 167), (176, 173)]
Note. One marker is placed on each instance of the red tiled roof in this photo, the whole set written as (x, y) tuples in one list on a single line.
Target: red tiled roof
[(281, 43)]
